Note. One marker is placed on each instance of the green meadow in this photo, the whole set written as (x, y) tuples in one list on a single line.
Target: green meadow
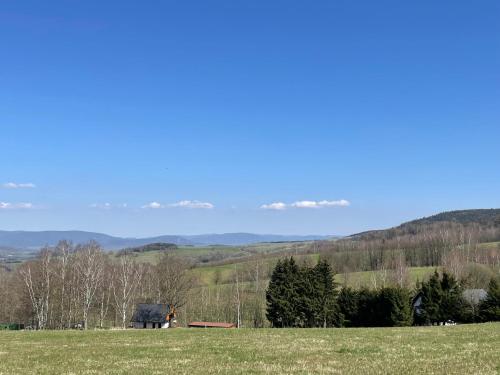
[(461, 349)]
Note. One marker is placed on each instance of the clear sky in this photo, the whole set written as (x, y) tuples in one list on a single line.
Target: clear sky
[(139, 118)]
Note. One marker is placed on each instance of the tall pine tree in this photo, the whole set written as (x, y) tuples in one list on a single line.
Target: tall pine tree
[(489, 309), (282, 295), (452, 305), (431, 295), (324, 295)]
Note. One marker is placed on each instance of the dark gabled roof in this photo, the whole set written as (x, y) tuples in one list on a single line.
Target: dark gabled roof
[(151, 313)]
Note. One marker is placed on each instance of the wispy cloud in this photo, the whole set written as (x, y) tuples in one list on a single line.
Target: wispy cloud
[(108, 206), (15, 206), (182, 204), (280, 206), (321, 204), (277, 206), (13, 185), (153, 205), (193, 204)]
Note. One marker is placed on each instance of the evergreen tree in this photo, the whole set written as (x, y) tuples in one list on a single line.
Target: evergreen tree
[(348, 306), (324, 296), (282, 295), (394, 308), (307, 306), (431, 294), (452, 306), (489, 309), (367, 314)]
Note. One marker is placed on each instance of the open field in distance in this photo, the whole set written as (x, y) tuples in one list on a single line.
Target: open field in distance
[(463, 349)]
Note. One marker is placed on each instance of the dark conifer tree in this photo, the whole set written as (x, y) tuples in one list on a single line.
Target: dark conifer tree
[(394, 309), (367, 313), (452, 306), (431, 294), (282, 295), (489, 309), (347, 301), (324, 296)]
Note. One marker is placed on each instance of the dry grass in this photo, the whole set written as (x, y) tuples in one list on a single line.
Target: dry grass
[(467, 349)]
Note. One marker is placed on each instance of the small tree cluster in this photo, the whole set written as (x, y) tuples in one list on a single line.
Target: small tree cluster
[(441, 300), (387, 307), (307, 297), (302, 296)]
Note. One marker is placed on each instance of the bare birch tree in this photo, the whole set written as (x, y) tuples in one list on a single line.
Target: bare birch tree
[(127, 277), (89, 264), (37, 279)]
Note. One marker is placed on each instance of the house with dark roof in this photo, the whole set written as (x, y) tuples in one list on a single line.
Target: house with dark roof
[(152, 316)]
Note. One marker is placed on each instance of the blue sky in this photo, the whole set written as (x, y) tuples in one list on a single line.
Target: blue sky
[(231, 106)]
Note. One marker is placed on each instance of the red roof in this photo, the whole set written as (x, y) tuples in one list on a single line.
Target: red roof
[(211, 325)]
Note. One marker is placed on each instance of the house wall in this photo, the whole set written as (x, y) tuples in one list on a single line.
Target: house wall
[(138, 325)]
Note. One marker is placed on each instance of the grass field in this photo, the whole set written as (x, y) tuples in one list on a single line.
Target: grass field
[(217, 253), (206, 275), (365, 278), (466, 349)]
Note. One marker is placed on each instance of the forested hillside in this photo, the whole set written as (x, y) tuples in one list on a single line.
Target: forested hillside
[(483, 219)]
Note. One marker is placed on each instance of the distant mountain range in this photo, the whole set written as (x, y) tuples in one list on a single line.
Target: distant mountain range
[(34, 240), (10, 241)]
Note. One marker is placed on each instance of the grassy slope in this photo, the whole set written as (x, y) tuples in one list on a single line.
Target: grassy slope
[(236, 253), (466, 349), (191, 252), (359, 279)]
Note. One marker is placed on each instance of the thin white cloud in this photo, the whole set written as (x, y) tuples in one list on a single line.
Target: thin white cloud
[(321, 204), (13, 185), (108, 206), (15, 206), (339, 203), (277, 206), (280, 206), (153, 205), (305, 204), (193, 204)]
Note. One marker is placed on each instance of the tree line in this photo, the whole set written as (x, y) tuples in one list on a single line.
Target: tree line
[(459, 248), (305, 296), (68, 286)]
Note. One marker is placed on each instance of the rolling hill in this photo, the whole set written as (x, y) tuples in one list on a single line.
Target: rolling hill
[(484, 218), (35, 240)]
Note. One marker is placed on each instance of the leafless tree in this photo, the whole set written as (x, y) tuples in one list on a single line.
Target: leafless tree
[(400, 274), (127, 277), (89, 264), (173, 280), (237, 297), (37, 278), (104, 291), (63, 253)]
